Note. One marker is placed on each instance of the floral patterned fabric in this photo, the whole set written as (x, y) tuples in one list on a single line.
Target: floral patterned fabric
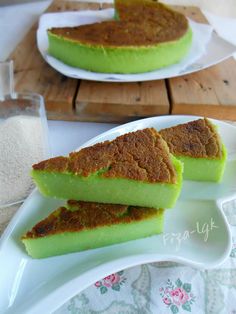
[(163, 288), (113, 281), (177, 295)]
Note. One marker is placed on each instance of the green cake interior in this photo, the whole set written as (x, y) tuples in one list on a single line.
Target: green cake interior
[(145, 35), (118, 59), (202, 169), (85, 233), (133, 169), (199, 147), (95, 188)]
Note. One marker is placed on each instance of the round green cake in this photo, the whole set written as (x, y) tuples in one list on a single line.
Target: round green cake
[(144, 36)]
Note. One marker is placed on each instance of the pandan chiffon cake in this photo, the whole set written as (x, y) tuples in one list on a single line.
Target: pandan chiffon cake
[(144, 36), (133, 169), (198, 145), (81, 226)]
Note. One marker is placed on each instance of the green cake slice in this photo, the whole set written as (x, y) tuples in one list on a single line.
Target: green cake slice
[(81, 226), (147, 35), (198, 145), (133, 169)]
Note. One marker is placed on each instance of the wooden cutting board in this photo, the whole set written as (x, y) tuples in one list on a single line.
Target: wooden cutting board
[(211, 92)]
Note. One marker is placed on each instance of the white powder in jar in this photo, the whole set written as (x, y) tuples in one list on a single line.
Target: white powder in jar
[(21, 145)]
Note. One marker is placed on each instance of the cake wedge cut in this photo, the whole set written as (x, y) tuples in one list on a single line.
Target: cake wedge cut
[(81, 226), (199, 146), (133, 169), (146, 35)]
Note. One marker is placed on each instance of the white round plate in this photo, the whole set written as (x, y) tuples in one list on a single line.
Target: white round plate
[(207, 49), (195, 233)]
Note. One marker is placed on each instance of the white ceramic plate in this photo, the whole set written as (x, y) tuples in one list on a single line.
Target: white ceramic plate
[(206, 50), (36, 286)]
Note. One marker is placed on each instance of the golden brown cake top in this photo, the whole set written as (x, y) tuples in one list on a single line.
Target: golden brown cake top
[(141, 24), (197, 139), (142, 155), (81, 216)]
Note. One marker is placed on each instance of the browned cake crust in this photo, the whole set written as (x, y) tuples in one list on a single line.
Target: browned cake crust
[(148, 24), (83, 216), (197, 139), (140, 155)]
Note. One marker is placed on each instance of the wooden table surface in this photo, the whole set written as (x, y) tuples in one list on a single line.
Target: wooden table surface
[(209, 92)]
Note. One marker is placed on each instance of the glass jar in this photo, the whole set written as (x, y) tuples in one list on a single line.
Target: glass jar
[(23, 138)]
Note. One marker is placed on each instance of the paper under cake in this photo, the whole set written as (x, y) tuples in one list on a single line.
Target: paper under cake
[(145, 35)]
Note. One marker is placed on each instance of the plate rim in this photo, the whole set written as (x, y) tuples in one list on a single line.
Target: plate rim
[(109, 77), (143, 258)]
